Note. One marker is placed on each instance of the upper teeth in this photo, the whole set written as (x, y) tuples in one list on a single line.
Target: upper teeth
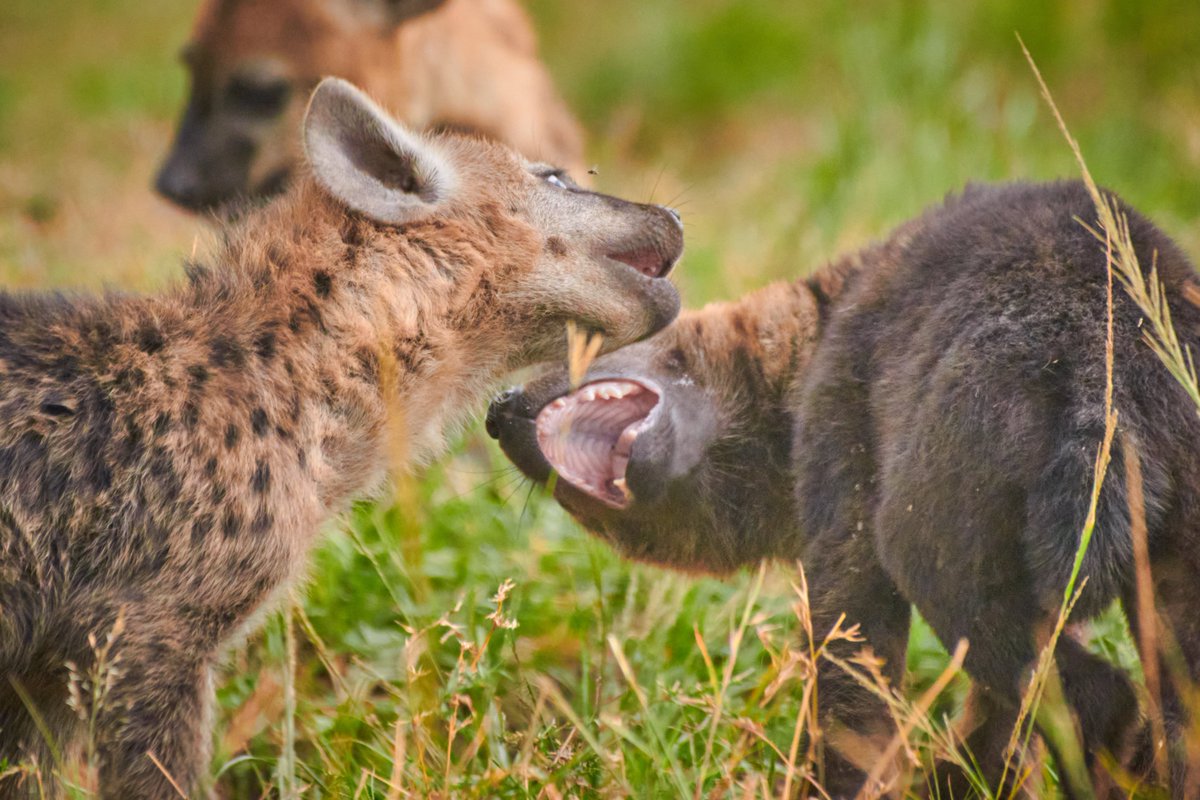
[(605, 390)]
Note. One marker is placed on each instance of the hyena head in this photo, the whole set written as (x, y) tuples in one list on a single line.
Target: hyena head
[(500, 253), (252, 65), (675, 450)]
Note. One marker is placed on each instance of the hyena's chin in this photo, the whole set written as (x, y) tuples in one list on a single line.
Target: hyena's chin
[(587, 437)]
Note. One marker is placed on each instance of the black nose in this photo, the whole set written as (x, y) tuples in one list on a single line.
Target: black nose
[(181, 185), (499, 407)]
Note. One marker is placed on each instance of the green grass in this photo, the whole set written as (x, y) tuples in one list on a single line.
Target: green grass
[(787, 133)]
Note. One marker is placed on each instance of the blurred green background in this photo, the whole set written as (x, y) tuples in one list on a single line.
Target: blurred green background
[(786, 132)]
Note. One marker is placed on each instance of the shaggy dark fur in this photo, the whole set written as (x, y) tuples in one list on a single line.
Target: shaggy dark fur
[(941, 400)]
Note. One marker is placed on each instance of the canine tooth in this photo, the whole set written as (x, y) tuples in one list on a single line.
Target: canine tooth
[(620, 485), (626, 438), (619, 464)]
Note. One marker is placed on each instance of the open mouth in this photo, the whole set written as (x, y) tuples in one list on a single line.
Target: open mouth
[(587, 436), (648, 260)]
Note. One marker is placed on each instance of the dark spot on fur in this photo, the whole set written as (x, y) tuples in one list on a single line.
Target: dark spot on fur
[(210, 467), (162, 423), (264, 345), (225, 352), (329, 389), (413, 352), (231, 526), (295, 407), (196, 272), (199, 374), (352, 234), (738, 322), (201, 527), (130, 378), (323, 283), (258, 422), (302, 457), (162, 469), (57, 409), (149, 338), (556, 246), (366, 365), (191, 414), (231, 436), (676, 360), (133, 440), (262, 522), (261, 478)]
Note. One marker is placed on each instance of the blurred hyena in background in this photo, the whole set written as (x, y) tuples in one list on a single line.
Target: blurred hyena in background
[(466, 65)]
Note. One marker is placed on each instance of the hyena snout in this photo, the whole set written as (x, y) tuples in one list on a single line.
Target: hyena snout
[(657, 247), (212, 162), (619, 286), (621, 438)]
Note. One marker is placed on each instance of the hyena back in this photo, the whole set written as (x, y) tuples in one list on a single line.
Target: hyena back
[(466, 65), (918, 424), (166, 461)]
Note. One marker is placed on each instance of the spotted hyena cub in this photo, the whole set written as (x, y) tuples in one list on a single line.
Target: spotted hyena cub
[(451, 64), (919, 425), (167, 461)]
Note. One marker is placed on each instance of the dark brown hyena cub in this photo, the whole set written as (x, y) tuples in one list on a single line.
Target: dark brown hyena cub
[(167, 461), (919, 425)]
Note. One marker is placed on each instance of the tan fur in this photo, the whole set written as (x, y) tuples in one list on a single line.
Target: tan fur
[(166, 461)]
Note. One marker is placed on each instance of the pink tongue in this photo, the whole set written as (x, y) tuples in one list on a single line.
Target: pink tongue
[(645, 260)]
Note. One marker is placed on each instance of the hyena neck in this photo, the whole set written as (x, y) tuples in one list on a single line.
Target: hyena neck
[(766, 336), (362, 345)]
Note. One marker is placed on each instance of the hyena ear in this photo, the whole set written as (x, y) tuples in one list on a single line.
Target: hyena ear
[(394, 12), (369, 161)]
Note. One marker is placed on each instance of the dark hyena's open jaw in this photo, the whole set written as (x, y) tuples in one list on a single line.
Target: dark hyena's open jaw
[(587, 436)]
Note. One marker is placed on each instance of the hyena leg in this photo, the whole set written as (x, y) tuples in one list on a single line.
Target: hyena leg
[(30, 745), (152, 721), (846, 583), (1100, 694), (1105, 703)]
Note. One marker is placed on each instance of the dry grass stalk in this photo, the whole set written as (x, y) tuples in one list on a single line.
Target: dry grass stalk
[(1147, 616), (582, 349), (288, 789), (626, 670), (918, 712), (719, 692), (170, 779), (806, 715)]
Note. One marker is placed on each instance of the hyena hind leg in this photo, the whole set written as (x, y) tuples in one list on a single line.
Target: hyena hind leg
[(33, 747)]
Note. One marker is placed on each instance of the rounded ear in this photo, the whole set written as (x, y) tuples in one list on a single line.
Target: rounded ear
[(394, 12), (369, 161)]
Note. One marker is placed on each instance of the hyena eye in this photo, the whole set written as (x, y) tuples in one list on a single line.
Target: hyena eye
[(258, 98), (559, 179)]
